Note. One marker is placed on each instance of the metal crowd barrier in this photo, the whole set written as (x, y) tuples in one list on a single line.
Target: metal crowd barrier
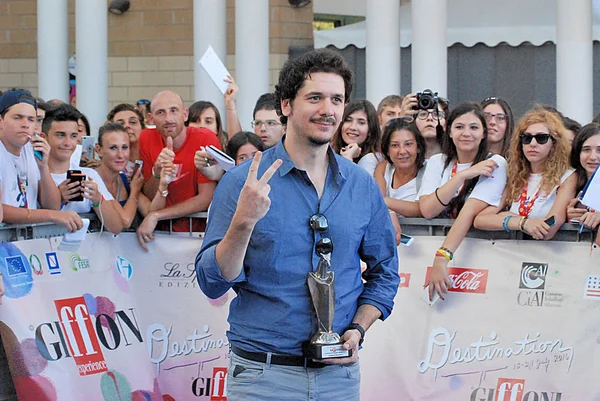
[(21, 232), (410, 226)]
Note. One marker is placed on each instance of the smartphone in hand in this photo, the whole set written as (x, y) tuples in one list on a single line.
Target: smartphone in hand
[(38, 155), (73, 176), (138, 165), (551, 221)]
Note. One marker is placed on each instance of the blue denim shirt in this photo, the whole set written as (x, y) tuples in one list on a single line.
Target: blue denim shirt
[(273, 310)]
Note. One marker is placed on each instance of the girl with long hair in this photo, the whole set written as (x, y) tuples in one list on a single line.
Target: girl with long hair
[(460, 183), (500, 122), (540, 182), (585, 158), (359, 133)]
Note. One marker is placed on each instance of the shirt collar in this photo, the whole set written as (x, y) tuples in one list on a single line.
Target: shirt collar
[(288, 165)]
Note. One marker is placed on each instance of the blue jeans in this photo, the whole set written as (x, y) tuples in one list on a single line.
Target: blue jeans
[(256, 381)]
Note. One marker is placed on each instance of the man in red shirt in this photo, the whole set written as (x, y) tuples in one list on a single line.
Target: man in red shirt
[(189, 192)]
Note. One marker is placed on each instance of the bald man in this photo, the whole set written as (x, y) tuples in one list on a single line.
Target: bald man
[(172, 143)]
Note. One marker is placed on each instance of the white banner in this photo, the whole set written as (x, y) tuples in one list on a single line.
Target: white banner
[(112, 322)]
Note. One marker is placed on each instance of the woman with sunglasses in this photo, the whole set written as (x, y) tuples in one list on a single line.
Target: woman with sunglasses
[(359, 133), (499, 118), (585, 158), (540, 183), (459, 183)]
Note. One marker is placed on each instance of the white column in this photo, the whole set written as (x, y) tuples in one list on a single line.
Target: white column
[(429, 50), (251, 54), (210, 29), (383, 49), (53, 49), (92, 60), (574, 59)]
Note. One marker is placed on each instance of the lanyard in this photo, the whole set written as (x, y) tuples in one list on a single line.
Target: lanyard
[(524, 206)]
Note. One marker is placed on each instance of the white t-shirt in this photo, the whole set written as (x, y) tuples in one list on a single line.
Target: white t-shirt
[(544, 202), (20, 176), (370, 161), (406, 192), (487, 189), (84, 206)]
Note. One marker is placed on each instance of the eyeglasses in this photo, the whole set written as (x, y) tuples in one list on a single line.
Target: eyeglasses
[(319, 224), (500, 117), (143, 101), (269, 124), (436, 114), (526, 138)]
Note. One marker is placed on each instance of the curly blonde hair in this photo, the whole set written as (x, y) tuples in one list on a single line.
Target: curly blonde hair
[(555, 165)]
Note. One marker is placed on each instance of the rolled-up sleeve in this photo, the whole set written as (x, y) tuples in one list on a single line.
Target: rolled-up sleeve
[(378, 250), (208, 274)]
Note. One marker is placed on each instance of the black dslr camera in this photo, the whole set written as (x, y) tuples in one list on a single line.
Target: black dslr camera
[(427, 100)]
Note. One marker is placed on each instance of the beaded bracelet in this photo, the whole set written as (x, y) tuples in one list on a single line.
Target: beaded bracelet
[(505, 223)]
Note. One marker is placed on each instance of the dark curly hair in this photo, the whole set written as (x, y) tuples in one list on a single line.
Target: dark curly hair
[(295, 71)]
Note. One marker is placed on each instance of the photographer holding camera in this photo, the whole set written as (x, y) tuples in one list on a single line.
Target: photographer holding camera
[(429, 112)]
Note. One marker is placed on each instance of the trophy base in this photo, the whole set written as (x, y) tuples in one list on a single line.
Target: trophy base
[(325, 351)]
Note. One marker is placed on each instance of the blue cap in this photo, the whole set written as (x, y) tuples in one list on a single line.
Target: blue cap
[(10, 98)]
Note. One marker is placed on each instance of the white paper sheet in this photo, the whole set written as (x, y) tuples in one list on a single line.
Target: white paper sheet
[(215, 68)]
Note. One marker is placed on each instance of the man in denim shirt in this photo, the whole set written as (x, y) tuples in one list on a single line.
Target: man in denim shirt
[(259, 242)]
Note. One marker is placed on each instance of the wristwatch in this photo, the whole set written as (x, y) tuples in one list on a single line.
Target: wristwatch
[(356, 326), (164, 193)]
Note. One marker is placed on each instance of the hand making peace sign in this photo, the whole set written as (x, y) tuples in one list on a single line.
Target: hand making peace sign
[(254, 202)]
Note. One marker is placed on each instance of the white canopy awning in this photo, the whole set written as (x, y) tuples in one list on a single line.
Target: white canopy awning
[(471, 22)]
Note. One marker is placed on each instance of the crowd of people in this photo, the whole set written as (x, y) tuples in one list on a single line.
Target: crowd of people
[(414, 154), (150, 162), (471, 162)]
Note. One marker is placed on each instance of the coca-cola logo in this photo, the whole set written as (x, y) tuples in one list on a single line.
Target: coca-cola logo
[(473, 281)]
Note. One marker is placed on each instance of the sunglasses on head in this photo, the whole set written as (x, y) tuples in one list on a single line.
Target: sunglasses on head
[(143, 101), (541, 139)]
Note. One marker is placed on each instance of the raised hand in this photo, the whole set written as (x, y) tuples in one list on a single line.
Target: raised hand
[(136, 183), (166, 156), (90, 191), (351, 151), (230, 95), (254, 201), (69, 190), (409, 105), (40, 144)]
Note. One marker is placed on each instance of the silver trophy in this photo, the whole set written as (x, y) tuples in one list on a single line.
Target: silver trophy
[(325, 343)]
